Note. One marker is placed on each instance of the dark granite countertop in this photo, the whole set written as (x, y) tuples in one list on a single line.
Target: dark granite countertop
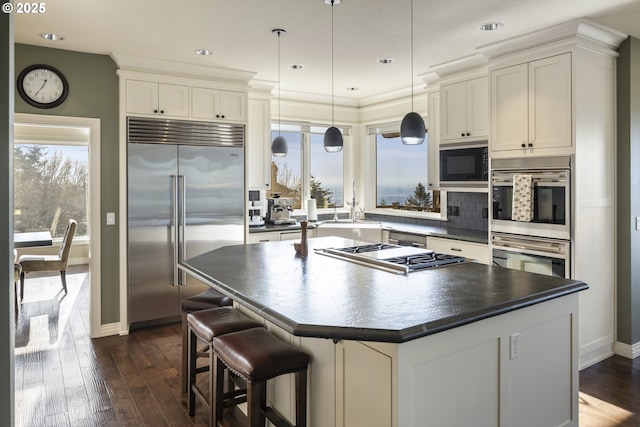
[(319, 296), (422, 230)]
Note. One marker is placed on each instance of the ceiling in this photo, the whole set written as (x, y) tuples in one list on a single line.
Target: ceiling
[(239, 34)]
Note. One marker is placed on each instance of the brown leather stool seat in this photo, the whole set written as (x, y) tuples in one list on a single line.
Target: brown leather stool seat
[(256, 356), (202, 301), (206, 325)]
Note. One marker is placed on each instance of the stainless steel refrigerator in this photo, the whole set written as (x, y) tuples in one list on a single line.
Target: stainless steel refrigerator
[(185, 197)]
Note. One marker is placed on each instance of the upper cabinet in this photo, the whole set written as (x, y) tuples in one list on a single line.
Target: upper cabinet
[(464, 109), (214, 104), (433, 158), (531, 106), (259, 144), (158, 99)]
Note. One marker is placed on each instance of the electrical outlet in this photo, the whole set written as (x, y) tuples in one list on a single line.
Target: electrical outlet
[(514, 346), (638, 223)]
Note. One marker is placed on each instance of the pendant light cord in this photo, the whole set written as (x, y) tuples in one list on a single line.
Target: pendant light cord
[(411, 80), (332, 61), (279, 114)]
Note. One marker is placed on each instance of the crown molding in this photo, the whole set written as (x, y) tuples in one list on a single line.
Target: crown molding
[(183, 69)]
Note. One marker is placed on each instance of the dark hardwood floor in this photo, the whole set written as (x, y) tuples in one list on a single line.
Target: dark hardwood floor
[(63, 378)]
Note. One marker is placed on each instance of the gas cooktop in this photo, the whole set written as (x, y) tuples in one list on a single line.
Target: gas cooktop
[(394, 258)]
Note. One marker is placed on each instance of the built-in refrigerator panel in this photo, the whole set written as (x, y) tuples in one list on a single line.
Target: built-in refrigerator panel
[(185, 197), (151, 231)]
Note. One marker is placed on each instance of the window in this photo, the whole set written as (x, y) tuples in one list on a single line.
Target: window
[(307, 170), (402, 175), (50, 186)]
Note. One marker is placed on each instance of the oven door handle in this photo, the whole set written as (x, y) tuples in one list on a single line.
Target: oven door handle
[(522, 245), (546, 177)]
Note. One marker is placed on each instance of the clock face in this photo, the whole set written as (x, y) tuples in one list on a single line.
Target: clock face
[(42, 86)]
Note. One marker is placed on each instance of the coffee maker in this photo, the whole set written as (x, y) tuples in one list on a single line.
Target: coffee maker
[(279, 210)]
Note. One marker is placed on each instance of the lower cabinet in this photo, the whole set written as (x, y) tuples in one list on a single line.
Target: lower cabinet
[(277, 236), (475, 251)]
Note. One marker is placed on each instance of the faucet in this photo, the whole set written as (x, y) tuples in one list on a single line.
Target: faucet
[(352, 210)]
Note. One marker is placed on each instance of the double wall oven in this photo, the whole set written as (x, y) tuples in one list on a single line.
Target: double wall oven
[(543, 243)]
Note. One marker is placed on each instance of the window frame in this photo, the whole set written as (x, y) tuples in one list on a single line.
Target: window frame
[(306, 129)]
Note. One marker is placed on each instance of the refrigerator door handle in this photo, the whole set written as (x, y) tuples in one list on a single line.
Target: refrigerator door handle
[(183, 226), (174, 225)]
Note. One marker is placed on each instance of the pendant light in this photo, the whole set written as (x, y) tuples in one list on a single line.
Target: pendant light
[(279, 146), (333, 141), (412, 128)]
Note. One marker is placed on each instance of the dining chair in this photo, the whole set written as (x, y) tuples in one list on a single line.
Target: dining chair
[(30, 263)]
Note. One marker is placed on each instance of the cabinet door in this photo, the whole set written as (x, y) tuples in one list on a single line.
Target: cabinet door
[(453, 110), (204, 102), (509, 108), (433, 156), (173, 100), (550, 102), (259, 144), (363, 386), (233, 106), (141, 97), (478, 108)]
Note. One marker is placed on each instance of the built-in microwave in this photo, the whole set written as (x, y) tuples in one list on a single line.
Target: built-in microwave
[(464, 165)]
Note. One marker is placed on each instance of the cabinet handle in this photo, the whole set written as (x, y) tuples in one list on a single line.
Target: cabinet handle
[(468, 134), (155, 111), (523, 145), (456, 249), (530, 145), (161, 111), (462, 134)]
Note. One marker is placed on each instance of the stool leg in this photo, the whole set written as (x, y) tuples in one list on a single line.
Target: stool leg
[(256, 395), (217, 398), (192, 356), (185, 353), (213, 385), (301, 398)]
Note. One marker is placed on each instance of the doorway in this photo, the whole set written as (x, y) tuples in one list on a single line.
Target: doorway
[(72, 135)]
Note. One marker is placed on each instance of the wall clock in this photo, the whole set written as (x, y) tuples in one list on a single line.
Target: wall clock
[(42, 86)]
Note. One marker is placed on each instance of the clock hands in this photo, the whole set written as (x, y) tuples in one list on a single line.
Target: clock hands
[(41, 87)]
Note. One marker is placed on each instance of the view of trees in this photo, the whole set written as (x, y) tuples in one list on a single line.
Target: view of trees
[(287, 184), (420, 200), (48, 190)]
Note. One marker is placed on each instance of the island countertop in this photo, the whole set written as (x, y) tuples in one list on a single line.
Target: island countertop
[(319, 296)]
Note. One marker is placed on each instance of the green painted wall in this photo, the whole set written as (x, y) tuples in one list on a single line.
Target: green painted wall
[(7, 324), (93, 92), (628, 197)]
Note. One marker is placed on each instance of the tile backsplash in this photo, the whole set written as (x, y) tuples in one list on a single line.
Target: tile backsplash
[(468, 210)]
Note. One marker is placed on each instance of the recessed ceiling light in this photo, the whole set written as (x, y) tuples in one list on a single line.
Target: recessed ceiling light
[(204, 52), (334, 2), (490, 26), (386, 61), (296, 66), (51, 36)]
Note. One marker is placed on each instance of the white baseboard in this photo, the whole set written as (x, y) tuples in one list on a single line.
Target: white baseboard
[(595, 356), (108, 330), (630, 351)]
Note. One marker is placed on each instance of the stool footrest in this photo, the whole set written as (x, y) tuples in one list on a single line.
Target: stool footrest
[(234, 398), (275, 417)]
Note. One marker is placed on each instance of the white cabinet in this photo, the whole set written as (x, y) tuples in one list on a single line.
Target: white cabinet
[(363, 399), (433, 159), (259, 144), (470, 250), (276, 236), (215, 104), (407, 239), (162, 99), (531, 106), (464, 109)]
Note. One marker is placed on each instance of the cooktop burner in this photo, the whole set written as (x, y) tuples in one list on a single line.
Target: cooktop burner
[(396, 258)]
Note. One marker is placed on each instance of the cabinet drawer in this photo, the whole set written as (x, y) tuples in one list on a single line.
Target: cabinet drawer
[(407, 239), (263, 237), (470, 250)]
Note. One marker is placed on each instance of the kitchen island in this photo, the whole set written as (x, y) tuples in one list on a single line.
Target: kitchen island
[(460, 345)]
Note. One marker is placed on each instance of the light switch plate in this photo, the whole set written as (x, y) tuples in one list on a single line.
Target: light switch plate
[(111, 218)]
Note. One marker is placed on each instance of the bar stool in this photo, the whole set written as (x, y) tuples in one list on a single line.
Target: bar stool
[(206, 325), (256, 356), (202, 301)]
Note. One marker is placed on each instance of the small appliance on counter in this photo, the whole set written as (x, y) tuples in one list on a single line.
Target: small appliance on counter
[(254, 206), (279, 210)]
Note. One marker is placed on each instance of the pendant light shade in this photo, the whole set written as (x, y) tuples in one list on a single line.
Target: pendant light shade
[(412, 129), (279, 146), (333, 141)]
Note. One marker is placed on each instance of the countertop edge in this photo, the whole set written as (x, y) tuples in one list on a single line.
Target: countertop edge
[(383, 335)]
